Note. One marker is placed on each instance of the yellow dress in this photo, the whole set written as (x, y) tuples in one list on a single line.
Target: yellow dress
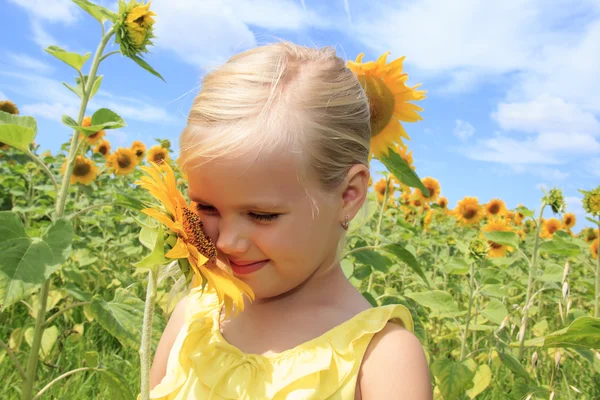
[(203, 365)]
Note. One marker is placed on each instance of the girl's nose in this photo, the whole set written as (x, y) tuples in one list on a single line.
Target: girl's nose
[(230, 241)]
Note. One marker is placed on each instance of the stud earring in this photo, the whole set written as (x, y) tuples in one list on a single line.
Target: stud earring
[(346, 223)]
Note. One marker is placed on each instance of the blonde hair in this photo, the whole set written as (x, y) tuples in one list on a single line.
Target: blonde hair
[(281, 96)]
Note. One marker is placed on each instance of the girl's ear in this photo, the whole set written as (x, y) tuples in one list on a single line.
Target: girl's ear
[(354, 191)]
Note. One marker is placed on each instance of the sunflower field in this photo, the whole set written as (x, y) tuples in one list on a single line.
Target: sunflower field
[(505, 302)]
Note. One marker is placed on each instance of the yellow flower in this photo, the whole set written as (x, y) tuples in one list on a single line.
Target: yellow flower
[(569, 220), (521, 234), (497, 249), (158, 155), (434, 188), (588, 234), (417, 201), (134, 29), (496, 207), (468, 211), (9, 107), (443, 202), (84, 171), (389, 100), (550, 226), (123, 161), (103, 148), (192, 244), (406, 155), (594, 248), (428, 218), (519, 217), (139, 149), (95, 137), (591, 201)]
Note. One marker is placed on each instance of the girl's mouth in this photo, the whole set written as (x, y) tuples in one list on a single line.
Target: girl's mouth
[(246, 267)]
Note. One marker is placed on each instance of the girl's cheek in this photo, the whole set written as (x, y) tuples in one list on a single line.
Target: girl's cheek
[(211, 228)]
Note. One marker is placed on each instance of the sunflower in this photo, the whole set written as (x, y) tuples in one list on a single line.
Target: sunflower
[(123, 161), (521, 234), (406, 155), (569, 220), (103, 148), (9, 107), (139, 149), (497, 249), (468, 211), (158, 155), (428, 218), (594, 248), (519, 217), (591, 201), (588, 234), (389, 100), (434, 188), (549, 226), (417, 201), (380, 189), (95, 137), (443, 202), (495, 208), (84, 171), (192, 244)]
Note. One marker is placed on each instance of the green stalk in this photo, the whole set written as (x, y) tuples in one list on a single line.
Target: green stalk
[(28, 383), (463, 346), (597, 302), (379, 223), (532, 272), (146, 345)]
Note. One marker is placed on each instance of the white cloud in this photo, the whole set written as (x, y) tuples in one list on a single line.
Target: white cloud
[(575, 205), (51, 111), (506, 150), (63, 11), (593, 166), (41, 37), (545, 114), (24, 61), (575, 143), (463, 130)]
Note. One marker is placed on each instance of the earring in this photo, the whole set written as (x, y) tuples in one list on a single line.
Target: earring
[(346, 223)]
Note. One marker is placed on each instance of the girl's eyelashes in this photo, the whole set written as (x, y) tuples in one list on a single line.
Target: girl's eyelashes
[(259, 217)]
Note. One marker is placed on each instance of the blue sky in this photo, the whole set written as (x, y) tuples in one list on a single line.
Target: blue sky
[(513, 89)]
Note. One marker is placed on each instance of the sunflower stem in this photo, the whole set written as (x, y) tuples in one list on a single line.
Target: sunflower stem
[(61, 198), (379, 223), (463, 346), (146, 345), (532, 273), (597, 299)]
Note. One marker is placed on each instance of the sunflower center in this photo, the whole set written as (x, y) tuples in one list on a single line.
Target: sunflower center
[(139, 153), (193, 228), (159, 157), (568, 221), (552, 228), (123, 161), (469, 213), (381, 103), (103, 150), (494, 208), (81, 169), (494, 245), (93, 135)]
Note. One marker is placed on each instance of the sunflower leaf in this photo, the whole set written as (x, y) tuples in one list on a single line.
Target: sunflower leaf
[(76, 90), (157, 256), (373, 259), (401, 170), (17, 131), (560, 246), (408, 258), (525, 211), (104, 118), (72, 59), (139, 61), (454, 378), (100, 13), (509, 239), (593, 221)]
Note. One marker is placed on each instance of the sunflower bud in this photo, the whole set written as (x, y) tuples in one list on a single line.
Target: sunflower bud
[(555, 200), (534, 360), (9, 107), (565, 291), (478, 248), (557, 357), (569, 304), (134, 28), (591, 201), (565, 272)]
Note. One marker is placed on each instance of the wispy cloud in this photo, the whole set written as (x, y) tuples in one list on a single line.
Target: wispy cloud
[(21, 60), (463, 130)]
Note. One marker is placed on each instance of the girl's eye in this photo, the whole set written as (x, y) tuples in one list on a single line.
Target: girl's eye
[(255, 216)]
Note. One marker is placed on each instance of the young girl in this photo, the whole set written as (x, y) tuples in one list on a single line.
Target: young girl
[(276, 152)]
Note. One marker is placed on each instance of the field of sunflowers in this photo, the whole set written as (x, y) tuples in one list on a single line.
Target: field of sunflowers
[(505, 301)]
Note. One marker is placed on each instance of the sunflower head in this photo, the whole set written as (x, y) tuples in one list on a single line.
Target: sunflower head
[(443, 202), (594, 248), (569, 220), (519, 217), (588, 234), (103, 148), (389, 100), (158, 155), (468, 211), (478, 248), (549, 226), (122, 161), (402, 151), (135, 27), (139, 149), (497, 225), (495, 207), (591, 201), (556, 200), (9, 107), (434, 188), (84, 171)]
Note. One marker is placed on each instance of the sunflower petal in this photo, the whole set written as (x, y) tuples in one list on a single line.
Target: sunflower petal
[(180, 250)]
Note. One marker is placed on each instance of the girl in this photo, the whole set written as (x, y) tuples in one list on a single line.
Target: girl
[(276, 152)]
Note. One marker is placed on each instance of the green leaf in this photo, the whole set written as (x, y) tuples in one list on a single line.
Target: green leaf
[(525, 211), (510, 239), (363, 271), (481, 381), (584, 332), (552, 273), (401, 170), (495, 311), (72, 59), (347, 267), (49, 338), (146, 66), (76, 90), (100, 13), (439, 301), (117, 384), (407, 257), (104, 118), (91, 359), (514, 365), (593, 221), (453, 378), (374, 259), (27, 262), (122, 317), (456, 266), (17, 131), (370, 298), (96, 85), (157, 256), (560, 247)]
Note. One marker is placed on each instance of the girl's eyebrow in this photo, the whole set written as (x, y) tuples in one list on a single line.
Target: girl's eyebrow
[(246, 206)]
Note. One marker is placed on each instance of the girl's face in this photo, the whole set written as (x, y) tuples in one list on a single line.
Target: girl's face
[(256, 209)]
